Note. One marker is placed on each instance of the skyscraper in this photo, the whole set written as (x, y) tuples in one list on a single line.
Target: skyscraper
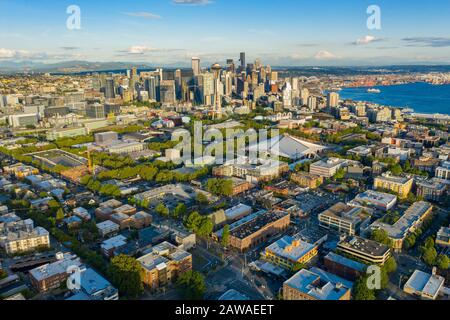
[(150, 85), (287, 95), (134, 72), (110, 89), (216, 69), (168, 94), (242, 60), (196, 66), (332, 99), (312, 103)]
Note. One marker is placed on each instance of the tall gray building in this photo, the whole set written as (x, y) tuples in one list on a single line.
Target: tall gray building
[(110, 89)]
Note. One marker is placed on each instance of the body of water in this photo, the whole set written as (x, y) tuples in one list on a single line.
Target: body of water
[(420, 96)]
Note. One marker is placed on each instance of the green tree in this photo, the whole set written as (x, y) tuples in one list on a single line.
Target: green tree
[(201, 198), (222, 187), (396, 169), (126, 274), (192, 285), (391, 265), (193, 221), (225, 236), (340, 174), (361, 291), (443, 262), (60, 214), (179, 211), (298, 266), (429, 243), (409, 242), (429, 256), (381, 236), (206, 227), (162, 210)]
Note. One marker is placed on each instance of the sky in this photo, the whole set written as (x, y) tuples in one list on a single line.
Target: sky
[(280, 33)]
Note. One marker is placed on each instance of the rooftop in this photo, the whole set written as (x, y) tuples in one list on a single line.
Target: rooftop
[(364, 245), (393, 179), (319, 284), (410, 217), (256, 224), (161, 254), (345, 212), (425, 283), (290, 248), (58, 267), (92, 282), (115, 242), (352, 264), (329, 163)]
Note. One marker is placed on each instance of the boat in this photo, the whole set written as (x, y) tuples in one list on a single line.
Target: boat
[(373, 90)]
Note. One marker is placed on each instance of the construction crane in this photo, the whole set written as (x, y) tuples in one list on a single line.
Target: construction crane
[(91, 165)]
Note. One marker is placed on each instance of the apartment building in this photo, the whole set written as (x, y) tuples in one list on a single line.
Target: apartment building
[(51, 275), (22, 236), (20, 170), (443, 237), (400, 185), (408, 223), (432, 190), (307, 180), (163, 264), (443, 171)]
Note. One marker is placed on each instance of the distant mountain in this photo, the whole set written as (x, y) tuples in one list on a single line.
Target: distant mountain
[(87, 66), (67, 66)]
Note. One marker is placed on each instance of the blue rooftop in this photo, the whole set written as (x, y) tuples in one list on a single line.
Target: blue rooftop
[(352, 264)]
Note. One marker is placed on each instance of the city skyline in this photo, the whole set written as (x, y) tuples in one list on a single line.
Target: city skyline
[(170, 32)]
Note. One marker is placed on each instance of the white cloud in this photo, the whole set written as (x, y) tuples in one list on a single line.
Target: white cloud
[(143, 49), (366, 40), (13, 54), (192, 2), (140, 49), (143, 14), (325, 55)]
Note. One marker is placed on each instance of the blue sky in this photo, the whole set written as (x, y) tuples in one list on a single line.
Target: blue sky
[(286, 32)]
